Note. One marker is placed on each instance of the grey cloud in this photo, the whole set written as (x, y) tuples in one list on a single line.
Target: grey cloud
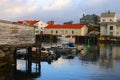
[(33, 9)]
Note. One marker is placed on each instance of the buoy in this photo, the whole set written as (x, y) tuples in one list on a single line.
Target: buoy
[(88, 45)]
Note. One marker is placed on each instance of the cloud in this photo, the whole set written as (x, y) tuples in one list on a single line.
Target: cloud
[(58, 10), (15, 8), (94, 3), (57, 5), (20, 9)]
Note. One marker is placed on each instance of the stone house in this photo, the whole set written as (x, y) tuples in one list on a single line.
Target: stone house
[(11, 33), (90, 19)]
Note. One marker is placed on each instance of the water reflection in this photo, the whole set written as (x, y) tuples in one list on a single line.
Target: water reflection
[(108, 55), (6, 73), (26, 71), (21, 72), (89, 54), (98, 62), (105, 54)]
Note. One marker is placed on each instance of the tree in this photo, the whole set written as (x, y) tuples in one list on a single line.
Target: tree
[(69, 22), (51, 22)]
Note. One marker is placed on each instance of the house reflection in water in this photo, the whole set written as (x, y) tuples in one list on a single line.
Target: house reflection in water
[(89, 54), (108, 55)]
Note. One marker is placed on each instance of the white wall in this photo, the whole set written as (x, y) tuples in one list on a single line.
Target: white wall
[(103, 30), (80, 32), (84, 31), (40, 26), (107, 19)]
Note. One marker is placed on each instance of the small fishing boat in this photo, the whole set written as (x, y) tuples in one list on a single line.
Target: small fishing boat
[(65, 39), (43, 51)]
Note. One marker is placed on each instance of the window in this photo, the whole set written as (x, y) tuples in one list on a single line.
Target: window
[(56, 31), (111, 27), (103, 20), (72, 32), (51, 31), (62, 32), (36, 31), (110, 20), (36, 27), (66, 32)]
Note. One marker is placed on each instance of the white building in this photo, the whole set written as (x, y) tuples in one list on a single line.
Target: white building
[(67, 32), (40, 27), (109, 25), (67, 29)]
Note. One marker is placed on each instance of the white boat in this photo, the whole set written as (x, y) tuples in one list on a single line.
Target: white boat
[(43, 51), (66, 41)]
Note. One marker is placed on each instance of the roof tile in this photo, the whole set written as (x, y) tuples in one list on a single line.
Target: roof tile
[(66, 26)]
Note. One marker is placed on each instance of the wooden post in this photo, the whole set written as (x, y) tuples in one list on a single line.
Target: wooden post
[(51, 39), (29, 59), (39, 52), (39, 48), (15, 59)]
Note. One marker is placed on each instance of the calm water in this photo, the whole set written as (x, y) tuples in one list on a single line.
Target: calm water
[(100, 62)]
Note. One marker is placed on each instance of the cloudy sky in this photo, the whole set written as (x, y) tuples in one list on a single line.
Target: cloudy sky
[(58, 10)]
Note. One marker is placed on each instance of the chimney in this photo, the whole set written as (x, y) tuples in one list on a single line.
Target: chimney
[(83, 15), (109, 12)]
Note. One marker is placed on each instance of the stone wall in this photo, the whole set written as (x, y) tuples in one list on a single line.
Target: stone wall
[(14, 34)]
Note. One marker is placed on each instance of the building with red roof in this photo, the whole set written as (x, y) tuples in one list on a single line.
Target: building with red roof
[(67, 29), (20, 22), (38, 25), (28, 22), (31, 22)]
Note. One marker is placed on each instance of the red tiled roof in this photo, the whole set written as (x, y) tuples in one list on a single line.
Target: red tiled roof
[(65, 26), (31, 22), (20, 22)]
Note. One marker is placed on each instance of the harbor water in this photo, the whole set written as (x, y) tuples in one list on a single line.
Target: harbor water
[(96, 62)]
